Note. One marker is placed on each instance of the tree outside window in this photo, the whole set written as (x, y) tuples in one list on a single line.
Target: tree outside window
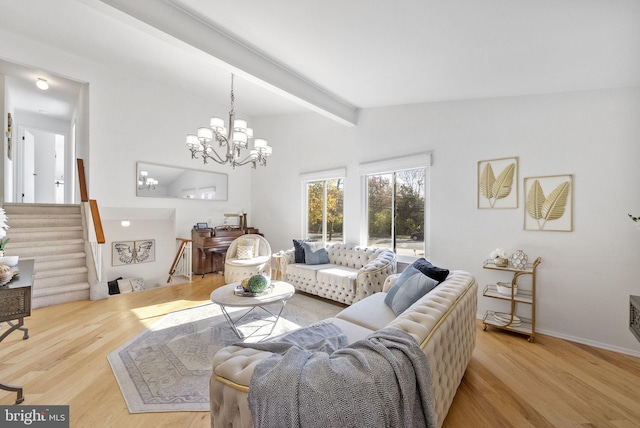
[(325, 208), (395, 211)]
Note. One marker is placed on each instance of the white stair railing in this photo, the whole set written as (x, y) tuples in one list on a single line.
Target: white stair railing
[(182, 263)]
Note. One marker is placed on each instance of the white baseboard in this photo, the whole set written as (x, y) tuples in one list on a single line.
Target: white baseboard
[(608, 347)]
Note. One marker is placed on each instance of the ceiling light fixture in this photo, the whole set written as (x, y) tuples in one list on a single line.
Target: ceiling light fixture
[(235, 138), (146, 182), (42, 84)]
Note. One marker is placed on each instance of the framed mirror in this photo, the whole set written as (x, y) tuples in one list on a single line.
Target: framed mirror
[(164, 181)]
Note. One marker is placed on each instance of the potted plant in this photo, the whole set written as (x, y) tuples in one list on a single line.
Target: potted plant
[(500, 257)]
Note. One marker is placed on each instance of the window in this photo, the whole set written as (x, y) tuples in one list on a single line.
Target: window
[(324, 207), (396, 204)]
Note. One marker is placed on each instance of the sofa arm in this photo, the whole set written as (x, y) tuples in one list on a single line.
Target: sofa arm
[(229, 385), (372, 276), (388, 283), (288, 257)]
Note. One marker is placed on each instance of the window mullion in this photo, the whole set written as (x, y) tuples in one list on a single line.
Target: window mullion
[(324, 211), (393, 211)]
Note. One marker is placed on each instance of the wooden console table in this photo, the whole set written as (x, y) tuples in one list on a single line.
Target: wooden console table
[(15, 305)]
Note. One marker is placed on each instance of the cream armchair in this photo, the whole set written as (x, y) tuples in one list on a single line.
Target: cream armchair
[(247, 255)]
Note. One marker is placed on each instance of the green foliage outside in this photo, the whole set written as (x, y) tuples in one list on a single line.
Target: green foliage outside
[(408, 200), (335, 204), (409, 203)]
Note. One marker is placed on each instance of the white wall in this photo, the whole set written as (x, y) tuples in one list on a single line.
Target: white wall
[(134, 120), (154, 273), (131, 119), (586, 276)]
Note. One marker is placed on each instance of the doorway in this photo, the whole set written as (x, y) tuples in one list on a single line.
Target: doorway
[(41, 168), (40, 165)]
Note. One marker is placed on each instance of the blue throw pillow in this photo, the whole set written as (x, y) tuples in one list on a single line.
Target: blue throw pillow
[(410, 286), (437, 273), (315, 253), (299, 249)]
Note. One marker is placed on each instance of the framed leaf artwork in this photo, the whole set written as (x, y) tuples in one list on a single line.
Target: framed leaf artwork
[(498, 183), (549, 203)]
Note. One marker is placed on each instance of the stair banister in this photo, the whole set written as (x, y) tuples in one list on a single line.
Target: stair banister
[(95, 231)]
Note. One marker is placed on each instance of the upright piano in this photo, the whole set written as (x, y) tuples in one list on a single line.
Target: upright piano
[(210, 247)]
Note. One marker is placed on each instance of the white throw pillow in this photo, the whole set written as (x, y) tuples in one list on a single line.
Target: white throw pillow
[(245, 252), (124, 285), (137, 284), (129, 285)]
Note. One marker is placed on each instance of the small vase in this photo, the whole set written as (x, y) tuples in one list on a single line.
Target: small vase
[(1, 253), (519, 259), (501, 262)]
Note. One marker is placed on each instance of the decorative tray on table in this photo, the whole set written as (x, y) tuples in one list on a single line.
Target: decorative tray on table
[(239, 291)]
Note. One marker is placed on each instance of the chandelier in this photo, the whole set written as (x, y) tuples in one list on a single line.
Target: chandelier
[(146, 182), (235, 138)]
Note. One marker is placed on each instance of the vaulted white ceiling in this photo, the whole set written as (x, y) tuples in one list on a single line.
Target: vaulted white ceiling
[(337, 56)]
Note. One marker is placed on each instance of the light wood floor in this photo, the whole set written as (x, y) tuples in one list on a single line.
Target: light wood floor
[(509, 382)]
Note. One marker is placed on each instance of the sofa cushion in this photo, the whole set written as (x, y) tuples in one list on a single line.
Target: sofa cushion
[(315, 253), (437, 273), (410, 286), (354, 332), (303, 274), (248, 262), (339, 277), (371, 313)]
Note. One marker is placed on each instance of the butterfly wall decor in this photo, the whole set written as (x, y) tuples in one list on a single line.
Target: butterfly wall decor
[(130, 252)]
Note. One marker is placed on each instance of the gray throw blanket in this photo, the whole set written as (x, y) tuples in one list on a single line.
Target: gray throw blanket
[(313, 381)]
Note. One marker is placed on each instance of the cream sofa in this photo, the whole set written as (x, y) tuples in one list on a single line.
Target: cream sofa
[(442, 322), (352, 273)]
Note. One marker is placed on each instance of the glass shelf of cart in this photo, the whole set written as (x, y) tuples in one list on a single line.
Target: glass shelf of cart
[(490, 264), (523, 296), (525, 326)]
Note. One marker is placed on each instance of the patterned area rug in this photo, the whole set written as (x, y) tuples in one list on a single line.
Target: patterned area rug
[(167, 367)]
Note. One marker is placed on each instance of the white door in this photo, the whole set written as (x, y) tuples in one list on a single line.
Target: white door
[(29, 170)]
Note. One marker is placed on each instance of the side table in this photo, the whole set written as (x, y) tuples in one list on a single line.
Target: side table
[(278, 261), (15, 305)]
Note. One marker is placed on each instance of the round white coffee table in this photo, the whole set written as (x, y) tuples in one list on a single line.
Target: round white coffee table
[(225, 296)]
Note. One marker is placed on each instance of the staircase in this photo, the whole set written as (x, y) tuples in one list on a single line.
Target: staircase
[(53, 236)]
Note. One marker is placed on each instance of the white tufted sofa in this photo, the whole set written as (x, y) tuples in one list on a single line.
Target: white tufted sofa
[(442, 322), (352, 274)]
